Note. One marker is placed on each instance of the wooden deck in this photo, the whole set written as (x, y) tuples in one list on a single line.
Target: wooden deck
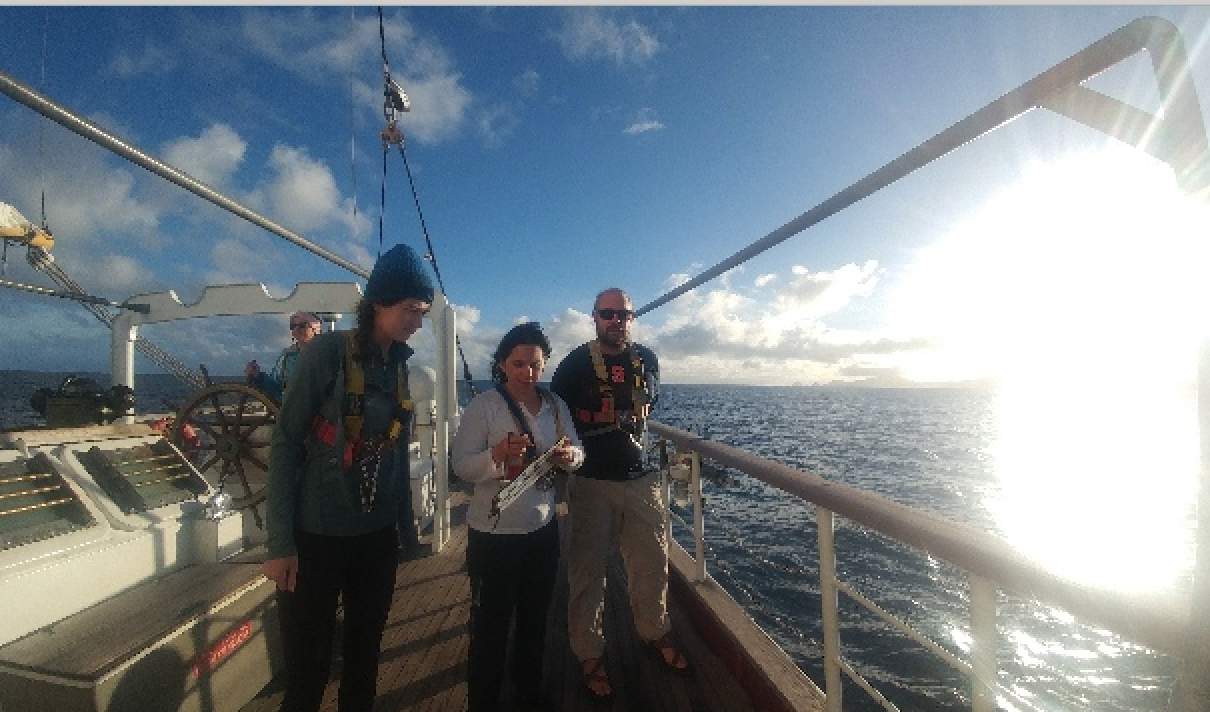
[(423, 661)]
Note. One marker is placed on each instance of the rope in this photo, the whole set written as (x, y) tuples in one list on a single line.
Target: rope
[(382, 37), (382, 197), (393, 134)]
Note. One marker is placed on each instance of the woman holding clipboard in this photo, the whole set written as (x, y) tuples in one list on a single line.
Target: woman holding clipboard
[(512, 553)]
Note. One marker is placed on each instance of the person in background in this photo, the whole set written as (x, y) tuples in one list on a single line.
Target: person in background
[(511, 558), (304, 326), (338, 467), (610, 384)]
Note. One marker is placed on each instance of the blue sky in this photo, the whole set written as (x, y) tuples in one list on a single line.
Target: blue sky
[(558, 151)]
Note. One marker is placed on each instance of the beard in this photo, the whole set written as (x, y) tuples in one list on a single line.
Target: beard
[(613, 338)]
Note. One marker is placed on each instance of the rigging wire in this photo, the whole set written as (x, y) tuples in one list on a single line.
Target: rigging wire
[(395, 101), (352, 109), (41, 134), (41, 260), (42, 124)]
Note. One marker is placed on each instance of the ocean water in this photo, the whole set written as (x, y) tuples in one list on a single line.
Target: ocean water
[(154, 393), (958, 453)]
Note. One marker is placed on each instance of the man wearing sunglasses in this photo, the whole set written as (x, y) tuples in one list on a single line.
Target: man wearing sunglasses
[(610, 384), (303, 327)]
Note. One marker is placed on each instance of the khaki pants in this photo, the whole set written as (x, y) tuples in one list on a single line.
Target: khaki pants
[(630, 514)]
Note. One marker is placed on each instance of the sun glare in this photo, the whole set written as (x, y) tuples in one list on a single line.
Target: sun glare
[(1079, 292), (1092, 263)]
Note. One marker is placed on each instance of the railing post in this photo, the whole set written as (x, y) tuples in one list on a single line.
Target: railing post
[(1191, 690), (699, 516), (124, 332), (666, 488), (830, 612), (983, 644), (445, 326)]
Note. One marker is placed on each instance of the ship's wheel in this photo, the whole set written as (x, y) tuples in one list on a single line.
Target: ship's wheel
[(224, 429)]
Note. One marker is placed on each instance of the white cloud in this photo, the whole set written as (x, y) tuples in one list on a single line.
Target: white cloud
[(151, 58), (528, 81), (240, 261), (123, 274), (303, 190), (467, 317), (497, 123), (568, 330), (595, 33), (297, 40), (300, 42), (728, 335), (822, 293), (644, 122), (211, 157), (439, 106)]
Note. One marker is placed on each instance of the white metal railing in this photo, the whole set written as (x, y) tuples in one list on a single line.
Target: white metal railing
[(991, 565)]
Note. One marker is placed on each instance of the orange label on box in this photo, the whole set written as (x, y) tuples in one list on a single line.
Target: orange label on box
[(228, 644)]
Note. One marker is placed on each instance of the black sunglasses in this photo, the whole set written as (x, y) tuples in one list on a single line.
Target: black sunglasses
[(299, 325), (611, 314)]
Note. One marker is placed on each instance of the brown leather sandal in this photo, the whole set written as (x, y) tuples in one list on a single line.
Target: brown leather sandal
[(592, 671), (669, 654)]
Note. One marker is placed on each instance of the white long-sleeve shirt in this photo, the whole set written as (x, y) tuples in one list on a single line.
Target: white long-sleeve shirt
[(485, 422)]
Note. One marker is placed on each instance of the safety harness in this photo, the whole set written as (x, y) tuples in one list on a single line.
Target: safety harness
[(536, 470), (365, 452), (523, 425), (608, 413)]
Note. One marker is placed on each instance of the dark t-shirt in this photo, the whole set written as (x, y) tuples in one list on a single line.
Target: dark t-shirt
[(616, 453)]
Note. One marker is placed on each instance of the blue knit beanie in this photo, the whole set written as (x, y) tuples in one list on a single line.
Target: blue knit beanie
[(399, 274)]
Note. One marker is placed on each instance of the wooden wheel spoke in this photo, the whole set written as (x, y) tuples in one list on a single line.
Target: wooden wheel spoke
[(219, 415), (245, 436), (205, 428), (209, 463), (252, 458)]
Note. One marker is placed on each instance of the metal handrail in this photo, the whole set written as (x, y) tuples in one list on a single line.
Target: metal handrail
[(1159, 622)]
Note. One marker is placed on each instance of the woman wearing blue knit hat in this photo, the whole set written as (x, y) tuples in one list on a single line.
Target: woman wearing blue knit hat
[(338, 469)]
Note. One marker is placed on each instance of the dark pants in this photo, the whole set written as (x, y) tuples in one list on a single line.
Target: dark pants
[(409, 538), (511, 574), (359, 569)]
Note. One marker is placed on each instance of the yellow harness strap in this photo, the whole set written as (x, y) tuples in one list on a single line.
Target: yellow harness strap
[(353, 412), (638, 392), (549, 398), (355, 389)]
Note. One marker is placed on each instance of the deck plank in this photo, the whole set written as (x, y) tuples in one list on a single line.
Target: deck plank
[(423, 663)]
